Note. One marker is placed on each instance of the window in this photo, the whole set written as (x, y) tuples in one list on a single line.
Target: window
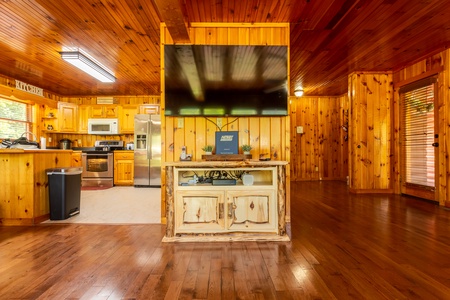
[(15, 118), (418, 154)]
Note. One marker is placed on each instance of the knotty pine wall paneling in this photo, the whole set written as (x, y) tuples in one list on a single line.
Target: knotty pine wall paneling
[(370, 98), (320, 152), (269, 136), (438, 64), (8, 91)]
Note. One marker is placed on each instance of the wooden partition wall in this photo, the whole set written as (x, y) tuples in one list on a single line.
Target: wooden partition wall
[(267, 135), (370, 149)]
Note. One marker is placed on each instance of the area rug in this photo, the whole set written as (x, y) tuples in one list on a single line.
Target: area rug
[(118, 205)]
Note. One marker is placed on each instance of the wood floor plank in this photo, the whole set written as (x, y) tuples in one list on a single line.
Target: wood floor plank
[(343, 246), (188, 285), (202, 282)]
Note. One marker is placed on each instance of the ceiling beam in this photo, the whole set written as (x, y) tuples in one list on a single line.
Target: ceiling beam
[(171, 12)]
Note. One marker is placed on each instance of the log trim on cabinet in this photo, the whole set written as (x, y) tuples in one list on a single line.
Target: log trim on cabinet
[(279, 187)]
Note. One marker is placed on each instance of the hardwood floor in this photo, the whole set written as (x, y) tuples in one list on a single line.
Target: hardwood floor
[(344, 246)]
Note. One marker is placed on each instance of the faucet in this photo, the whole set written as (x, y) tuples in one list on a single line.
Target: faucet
[(26, 132)]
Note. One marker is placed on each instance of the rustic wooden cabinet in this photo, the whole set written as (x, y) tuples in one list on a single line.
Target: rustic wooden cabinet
[(76, 159), (24, 198), (83, 116), (67, 117), (199, 210), (123, 167), (126, 118), (149, 109), (104, 111)]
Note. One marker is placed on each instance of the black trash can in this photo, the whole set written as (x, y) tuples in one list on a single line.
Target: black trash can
[(64, 192)]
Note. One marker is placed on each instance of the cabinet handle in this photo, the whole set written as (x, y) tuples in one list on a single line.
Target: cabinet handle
[(220, 210), (231, 208)]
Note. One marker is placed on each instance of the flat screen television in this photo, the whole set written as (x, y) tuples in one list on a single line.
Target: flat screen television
[(217, 80)]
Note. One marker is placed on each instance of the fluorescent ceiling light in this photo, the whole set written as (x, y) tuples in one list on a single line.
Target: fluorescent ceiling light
[(85, 64)]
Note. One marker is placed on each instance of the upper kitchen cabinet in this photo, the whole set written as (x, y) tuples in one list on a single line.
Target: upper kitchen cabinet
[(126, 118), (67, 117), (83, 116), (104, 111), (149, 109)]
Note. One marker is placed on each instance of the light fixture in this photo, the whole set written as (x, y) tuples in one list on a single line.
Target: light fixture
[(87, 65), (298, 92)]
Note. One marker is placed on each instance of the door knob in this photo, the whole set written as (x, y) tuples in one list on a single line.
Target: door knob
[(435, 144)]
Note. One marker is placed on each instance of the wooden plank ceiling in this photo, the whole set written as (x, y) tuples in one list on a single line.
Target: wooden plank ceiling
[(329, 38)]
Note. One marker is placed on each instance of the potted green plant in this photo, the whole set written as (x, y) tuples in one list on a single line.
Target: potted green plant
[(208, 149), (246, 148)]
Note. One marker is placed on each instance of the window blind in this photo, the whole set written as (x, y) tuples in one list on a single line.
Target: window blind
[(418, 159)]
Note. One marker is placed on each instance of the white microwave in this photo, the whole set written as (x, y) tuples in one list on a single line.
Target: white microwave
[(103, 126)]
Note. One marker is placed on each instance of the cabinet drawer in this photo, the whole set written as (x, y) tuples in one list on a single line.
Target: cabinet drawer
[(123, 155)]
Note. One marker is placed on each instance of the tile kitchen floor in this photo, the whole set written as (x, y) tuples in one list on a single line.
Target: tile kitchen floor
[(118, 205)]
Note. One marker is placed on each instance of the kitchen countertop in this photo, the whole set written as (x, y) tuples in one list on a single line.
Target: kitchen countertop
[(18, 151)]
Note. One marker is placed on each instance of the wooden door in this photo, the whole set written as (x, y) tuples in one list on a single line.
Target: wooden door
[(419, 139)]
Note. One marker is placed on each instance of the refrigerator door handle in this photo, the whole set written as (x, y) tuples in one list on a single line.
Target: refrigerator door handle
[(149, 139)]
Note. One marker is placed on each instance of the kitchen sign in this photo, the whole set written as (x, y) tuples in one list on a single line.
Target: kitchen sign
[(29, 88)]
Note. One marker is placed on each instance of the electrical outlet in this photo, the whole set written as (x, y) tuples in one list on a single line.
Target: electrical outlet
[(183, 152), (317, 169), (49, 139), (180, 122), (219, 122)]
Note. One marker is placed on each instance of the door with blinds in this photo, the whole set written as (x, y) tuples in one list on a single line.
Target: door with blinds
[(419, 139)]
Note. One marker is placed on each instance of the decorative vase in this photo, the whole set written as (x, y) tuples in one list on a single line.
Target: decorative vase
[(208, 152), (246, 152)]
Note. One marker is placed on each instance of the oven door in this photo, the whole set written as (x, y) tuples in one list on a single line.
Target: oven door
[(97, 165)]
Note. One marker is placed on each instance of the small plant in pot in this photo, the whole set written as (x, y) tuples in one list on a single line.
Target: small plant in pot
[(208, 149), (246, 149)]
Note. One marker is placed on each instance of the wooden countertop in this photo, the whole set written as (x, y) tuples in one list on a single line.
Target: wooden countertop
[(230, 164)]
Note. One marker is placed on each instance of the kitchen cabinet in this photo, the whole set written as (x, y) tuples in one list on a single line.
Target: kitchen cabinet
[(104, 111), (126, 118), (24, 197), (76, 159), (67, 117), (196, 209), (83, 116), (149, 109), (123, 167)]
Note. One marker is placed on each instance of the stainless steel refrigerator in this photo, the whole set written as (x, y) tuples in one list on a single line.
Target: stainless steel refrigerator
[(147, 150)]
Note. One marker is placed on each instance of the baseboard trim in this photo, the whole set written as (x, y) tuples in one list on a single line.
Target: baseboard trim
[(371, 191)]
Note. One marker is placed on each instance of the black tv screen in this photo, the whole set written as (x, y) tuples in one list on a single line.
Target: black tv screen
[(217, 80)]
